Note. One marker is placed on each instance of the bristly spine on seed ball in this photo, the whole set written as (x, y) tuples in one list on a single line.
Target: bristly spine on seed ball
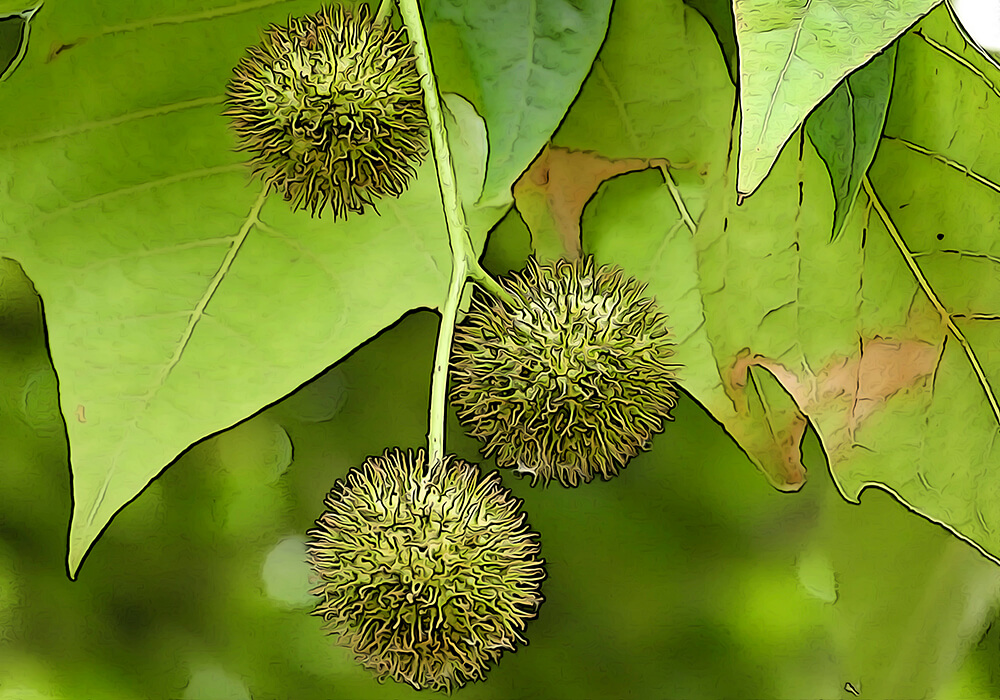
[(331, 108), (573, 383), (428, 572)]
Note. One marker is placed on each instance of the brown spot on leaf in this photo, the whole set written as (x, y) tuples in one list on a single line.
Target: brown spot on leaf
[(80, 414), (58, 48), (776, 446), (887, 367), (848, 389), (553, 191)]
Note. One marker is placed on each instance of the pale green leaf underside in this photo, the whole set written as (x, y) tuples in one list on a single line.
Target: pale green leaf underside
[(776, 324), (177, 300), (792, 54)]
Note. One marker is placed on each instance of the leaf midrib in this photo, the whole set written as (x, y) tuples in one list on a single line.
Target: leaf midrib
[(251, 220), (784, 70)]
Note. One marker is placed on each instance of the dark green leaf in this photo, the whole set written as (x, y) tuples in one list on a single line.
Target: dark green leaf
[(719, 14), (847, 126), (14, 31), (167, 280)]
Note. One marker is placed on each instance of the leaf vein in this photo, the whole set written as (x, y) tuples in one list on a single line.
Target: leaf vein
[(134, 189), (961, 253), (969, 172), (195, 316), (191, 245), (269, 230), (114, 121), (946, 317), (251, 220), (214, 13), (961, 61), (784, 68)]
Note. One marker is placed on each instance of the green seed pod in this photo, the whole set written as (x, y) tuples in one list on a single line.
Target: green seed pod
[(427, 572), (573, 383), (331, 108)]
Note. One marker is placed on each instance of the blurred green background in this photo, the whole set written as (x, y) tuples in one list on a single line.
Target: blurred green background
[(686, 576)]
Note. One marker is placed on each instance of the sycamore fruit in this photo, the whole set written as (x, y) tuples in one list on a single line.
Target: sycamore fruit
[(572, 383), (331, 109), (428, 572)]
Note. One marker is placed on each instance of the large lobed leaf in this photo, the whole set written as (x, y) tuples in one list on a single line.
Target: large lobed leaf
[(935, 179), (178, 298), (883, 339)]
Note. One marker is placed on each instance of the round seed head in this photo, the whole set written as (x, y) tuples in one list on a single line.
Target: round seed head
[(573, 383), (330, 107), (427, 572)]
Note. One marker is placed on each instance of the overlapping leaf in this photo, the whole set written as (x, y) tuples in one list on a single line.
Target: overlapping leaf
[(847, 126), (15, 30), (178, 299), (525, 62), (792, 54), (659, 92)]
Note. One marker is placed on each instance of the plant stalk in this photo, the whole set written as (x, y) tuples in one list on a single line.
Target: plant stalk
[(458, 236), (486, 281)]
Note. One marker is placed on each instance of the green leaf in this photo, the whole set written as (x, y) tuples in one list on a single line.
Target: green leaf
[(14, 31), (936, 178), (648, 96), (719, 14), (793, 53), (527, 60), (178, 300), (847, 126), (637, 104), (626, 119), (553, 192), (634, 222)]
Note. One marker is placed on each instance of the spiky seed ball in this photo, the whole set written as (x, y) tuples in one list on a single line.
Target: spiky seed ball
[(330, 106), (572, 384), (428, 572)]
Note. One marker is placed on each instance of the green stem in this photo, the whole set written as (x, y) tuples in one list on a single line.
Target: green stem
[(384, 11), (675, 194), (486, 281), (462, 256)]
